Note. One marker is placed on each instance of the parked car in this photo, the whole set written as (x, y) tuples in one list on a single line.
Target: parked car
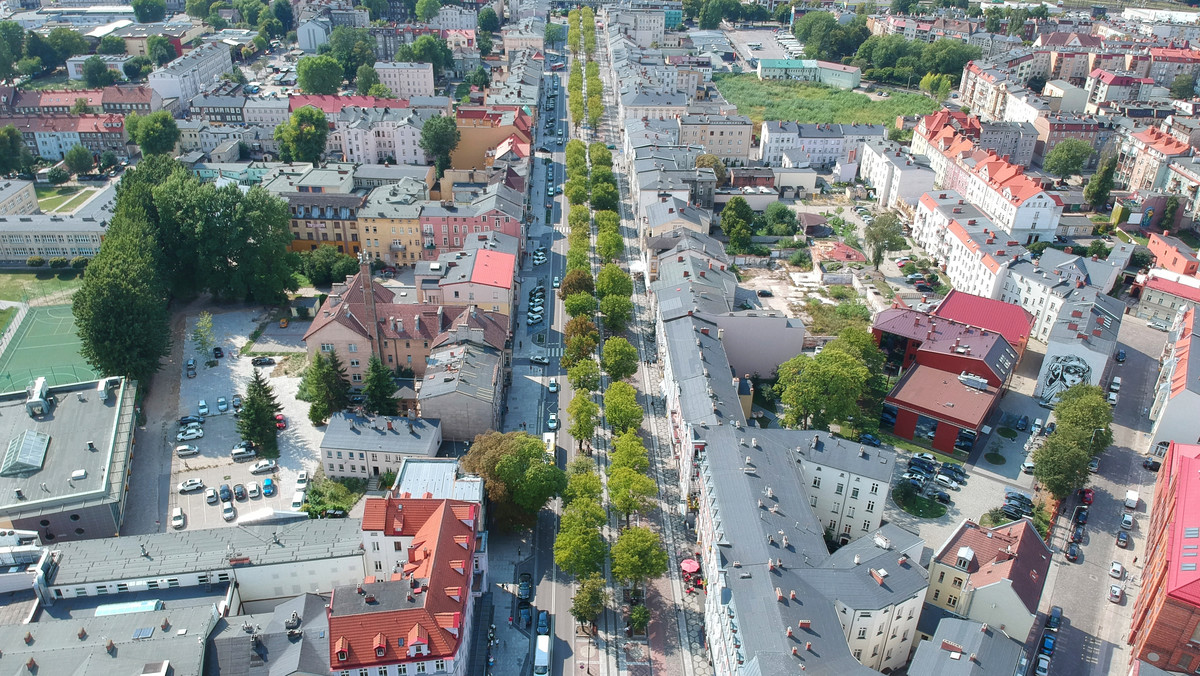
[(252, 489), (553, 386), (955, 472), (1116, 570), (923, 288), (943, 480), (543, 623), (941, 496), (1087, 495), (190, 420), (1072, 552), (552, 421), (1126, 521), (1042, 668), (268, 487), (177, 519), (1023, 423), (218, 353), (189, 485), (869, 439), (1120, 356), (222, 404), (210, 496), (186, 450), (557, 282), (225, 492), (1077, 534), (264, 467), (1122, 539), (191, 368), (538, 359), (239, 492), (1050, 427), (280, 421), (302, 479), (1081, 516), (203, 407), (1115, 593), (237, 402), (1046, 647), (929, 457), (1037, 428), (190, 434), (227, 511), (525, 587), (1094, 464), (524, 614), (1151, 464), (764, 293), (1054, 618), (917, 477), (262, 361)]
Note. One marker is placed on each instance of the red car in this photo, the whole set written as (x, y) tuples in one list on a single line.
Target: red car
[(280, 422), (1086, 495)]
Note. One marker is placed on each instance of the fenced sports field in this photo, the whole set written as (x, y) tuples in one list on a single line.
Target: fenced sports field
[(42, 342)]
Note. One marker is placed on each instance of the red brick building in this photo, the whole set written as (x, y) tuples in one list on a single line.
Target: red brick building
[(1165, 628)]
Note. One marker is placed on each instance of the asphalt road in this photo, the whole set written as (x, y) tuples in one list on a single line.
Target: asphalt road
[(1092, 640)]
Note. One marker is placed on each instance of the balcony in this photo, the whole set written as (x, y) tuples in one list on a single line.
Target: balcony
[(396, 246)]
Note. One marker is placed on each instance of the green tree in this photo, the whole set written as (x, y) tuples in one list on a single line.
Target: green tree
[(256, 422), (1060, 466), (584, 376), (57, 176), (479, 77), (380, 91), (1183, 87), (29, 66), (282, 11), (883, 235), (710, 15), (582, 481), (822, 389), (427, 49), (38, 47), (584, 414), (203, 338), (149, 11), (781, 220), (351, 47), (121, 308), (313, 384), (325, 264), (619, 359), (590, 596), (378, 9), (579, 547), (365, 78), (638, 556), (80, 107), (66, 42), (78, 159), (579, 304), (319, 74), (13, 152), (1084, 418), (96, 74), (617, 311), (483, 42), (518, 478), (621, 407), (12, 45), (1098, 189), (1168, 214), (378, 386), (1067, 157), (235, 75), (427, 9), (488, 21), (302, 138), (630, 491), (439, 138), (138, 67), (629, 452), (903, 7), (609, 245), (580, 326), (160, 50), (155, 133), (555, 33), (108, 159), (613, 281), (574, 282)]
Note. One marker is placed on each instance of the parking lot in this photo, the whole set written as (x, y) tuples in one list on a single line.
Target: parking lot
[(298, 443), (740, 38)]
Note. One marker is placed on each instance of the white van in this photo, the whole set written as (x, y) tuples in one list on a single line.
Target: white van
[(297, 500), (541, 655)]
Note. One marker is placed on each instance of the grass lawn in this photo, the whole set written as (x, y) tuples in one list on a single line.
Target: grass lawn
[(808, 102), (1189, 238), (75, 202), (914, 504), (912, 447), (21, 286), (50, 199), (56, 80), (1007, 432), (995, 458), (829, 320), (6, 316)]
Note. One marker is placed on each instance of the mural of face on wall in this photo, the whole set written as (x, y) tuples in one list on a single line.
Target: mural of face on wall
[(1063, 372)]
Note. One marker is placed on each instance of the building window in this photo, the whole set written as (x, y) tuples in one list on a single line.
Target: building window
[(816, 482), (353, 363), (352, 347), (840, 488), (357, 377), (378, 566), (957, 582), (866, 525), (874, 489), (854, 493), (420, 667), (857, 654), (936, 594), (952, 600), (439, 665), (941, 576), (813, 501), (862, 632), (870, 506)]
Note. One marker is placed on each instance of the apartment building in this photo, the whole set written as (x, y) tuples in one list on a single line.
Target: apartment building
[(1104, 86), (1081, 343), (56, 101), (381, 135), (987, 650), (1014, 202), (405, 79), (1167, 63), (1043, 286), (991, 575), (1166, 615), (1166, 294), (975, 252), (359, 447), (644, 27), (324, 207), (125, 99), (51, 136), (463, 387), (899, 179), (1176, 395), (1144, 157), (393, 211), (845, 483), (1054, 129), (184, 77), (453, 17), (479, 277), (18, 197), (729, 137), (482, 129), (222, 104), (179, 34), (819, 145), (114, 62), (1172, 254), (266, 111), (528, 33)]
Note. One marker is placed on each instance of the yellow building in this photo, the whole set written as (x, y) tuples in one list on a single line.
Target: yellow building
[(389, 221)]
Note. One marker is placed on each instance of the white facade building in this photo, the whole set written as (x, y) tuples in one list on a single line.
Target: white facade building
[(899, 179), (406, 79), (184, 77)]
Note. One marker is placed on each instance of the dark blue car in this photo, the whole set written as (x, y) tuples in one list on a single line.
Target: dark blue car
[(869, 439), (1047, 645)]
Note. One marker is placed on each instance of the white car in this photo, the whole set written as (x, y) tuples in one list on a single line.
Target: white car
[(553, 385), (177, 518), (203, 407), (263, 466), (227, 511), (252, 489), (189, 485), (1116, 570), (926, 456), (552, 423), (943, 480), (222, 404), (190, 434), (1127, 521), (186, 450), (302, 479), (210, 496), (1043, 666)]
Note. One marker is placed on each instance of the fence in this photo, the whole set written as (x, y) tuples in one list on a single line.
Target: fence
[(13, 326)]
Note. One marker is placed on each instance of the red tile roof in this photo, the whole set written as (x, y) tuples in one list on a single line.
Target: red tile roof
[(1183, 352), (1012, 553), (424, 604), (1174, 288), (1011, 321), (493, 268), (64, 97), (1183, 464), (1161, 141), (330, 103)]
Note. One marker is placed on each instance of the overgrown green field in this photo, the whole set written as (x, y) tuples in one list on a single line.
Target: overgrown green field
[(813, 103)]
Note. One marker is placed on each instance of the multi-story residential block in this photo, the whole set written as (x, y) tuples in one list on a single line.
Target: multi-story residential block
[(361, 318), (1144, 158), (991, 575), (266, 111), (1081, 343), (1090, 129), (453, 17), (1015, 203), (448, 225), (179, 34), (899, 179), (1044, 285), (1167, 63), (463, 387), (56, 101), (51, 136), (1104, 86), (362, 447), (1165, 294), (184, 77), (1166, 613), (125, 99), (324, 206), (393, 211), (986, 649), (1176, 395), (729, 137), (381, 135), (644, 27), (826, 72), (820, 145), (476, 278), (482, 129), (1173, 255), (18, 197), (222, 103), (405, 79), (114, 62), (844, 487), (976, 253), (526, 34)]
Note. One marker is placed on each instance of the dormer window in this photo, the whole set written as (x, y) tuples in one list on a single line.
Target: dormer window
[(342, 655), (379, 651)]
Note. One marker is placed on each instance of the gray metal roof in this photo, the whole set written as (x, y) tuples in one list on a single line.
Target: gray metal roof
[(440, 478), (121, 558), (290, 640), (79, 646), (967, 648), (465, 369), (348, 432)]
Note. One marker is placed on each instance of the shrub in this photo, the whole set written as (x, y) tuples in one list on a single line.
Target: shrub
[(59, 262), (35, 261), (80, 262)]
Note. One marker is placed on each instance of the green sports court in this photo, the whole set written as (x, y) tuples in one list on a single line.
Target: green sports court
[(44, 344)]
